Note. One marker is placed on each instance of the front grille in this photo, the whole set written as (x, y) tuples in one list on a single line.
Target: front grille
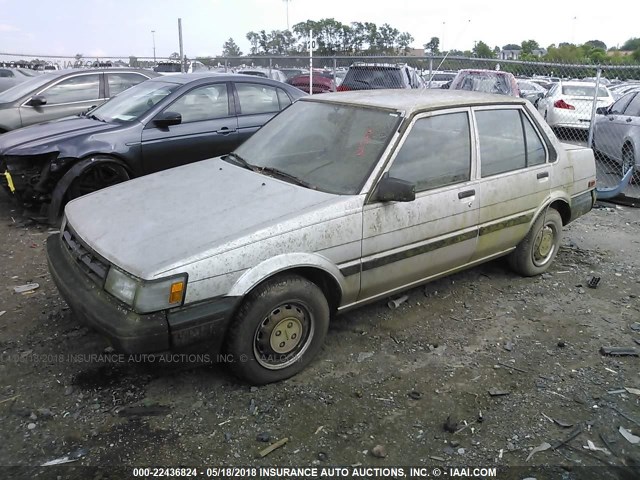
[(92, 264)]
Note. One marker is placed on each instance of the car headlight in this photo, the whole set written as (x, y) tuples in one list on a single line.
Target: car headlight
[(146, 296)]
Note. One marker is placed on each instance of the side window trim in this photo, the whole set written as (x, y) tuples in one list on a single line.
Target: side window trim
[(551, 155), (181, 96), (472, 139), (238, 104), (101, 89), (107, 87)]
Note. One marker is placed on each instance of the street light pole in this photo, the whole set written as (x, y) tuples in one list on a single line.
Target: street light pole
[(153, 36), (287, 2)]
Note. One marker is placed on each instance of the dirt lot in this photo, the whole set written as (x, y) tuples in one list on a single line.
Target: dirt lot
[(385, 377)]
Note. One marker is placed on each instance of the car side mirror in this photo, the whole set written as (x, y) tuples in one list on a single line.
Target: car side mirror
[(166, 119), (392, 189), (602, 110), (37, 100)]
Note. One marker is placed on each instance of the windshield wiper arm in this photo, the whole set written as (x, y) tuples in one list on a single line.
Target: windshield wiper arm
[(284, 175), (95, 117), (239, 160)]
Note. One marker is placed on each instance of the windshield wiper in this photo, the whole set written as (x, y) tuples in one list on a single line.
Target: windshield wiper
[(93, 116), (237, 159), (284, 175)]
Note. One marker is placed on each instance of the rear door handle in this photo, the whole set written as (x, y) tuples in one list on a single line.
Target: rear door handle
[(543, 175), (466, 194), (629, 119), (225, 131)]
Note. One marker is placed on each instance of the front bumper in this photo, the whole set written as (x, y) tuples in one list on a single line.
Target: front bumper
[(128, 331)]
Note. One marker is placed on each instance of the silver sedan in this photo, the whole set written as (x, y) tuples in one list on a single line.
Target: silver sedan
[(617, 132)]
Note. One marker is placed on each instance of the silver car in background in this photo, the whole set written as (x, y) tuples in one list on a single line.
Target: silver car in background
[(63, 93), (617, 132)]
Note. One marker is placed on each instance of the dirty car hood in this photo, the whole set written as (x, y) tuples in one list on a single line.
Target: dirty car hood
[(154, 223), (43, 137)]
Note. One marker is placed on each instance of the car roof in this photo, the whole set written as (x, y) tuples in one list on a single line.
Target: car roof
[(184, 78), (413, 100), (579, 83), (69, 71)]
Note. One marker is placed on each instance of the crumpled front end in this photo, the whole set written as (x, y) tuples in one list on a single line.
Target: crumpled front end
[(30, 178)]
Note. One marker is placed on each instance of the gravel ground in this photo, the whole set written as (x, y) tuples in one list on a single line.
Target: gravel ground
[(475, 369)]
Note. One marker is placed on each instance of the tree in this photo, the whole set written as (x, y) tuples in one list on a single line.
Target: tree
[(528, 46), (482, 50), (631, 45), (432, 46), (174, 56), (596, 44), (254, 40), (231, 49), (404, 40), (511, 46)]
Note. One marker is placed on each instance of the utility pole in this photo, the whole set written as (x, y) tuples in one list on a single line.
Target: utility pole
[(287, 2), (153, 36), (181, 49)]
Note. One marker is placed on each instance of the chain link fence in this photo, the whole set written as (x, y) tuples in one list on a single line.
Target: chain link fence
[(594, 105)]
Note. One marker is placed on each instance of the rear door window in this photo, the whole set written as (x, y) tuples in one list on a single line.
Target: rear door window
[(75, 89), (255, 98), (119, 82), (508, 141)]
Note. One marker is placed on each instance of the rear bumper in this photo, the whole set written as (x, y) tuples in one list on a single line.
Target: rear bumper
[(582, 204), (128, 331)]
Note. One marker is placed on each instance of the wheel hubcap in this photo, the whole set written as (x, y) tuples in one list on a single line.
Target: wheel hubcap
[(544, 245), (283, 336), (286, 335)]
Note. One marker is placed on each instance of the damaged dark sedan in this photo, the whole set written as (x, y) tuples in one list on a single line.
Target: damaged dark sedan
[(155, 125)]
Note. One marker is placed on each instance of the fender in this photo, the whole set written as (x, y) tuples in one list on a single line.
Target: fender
[(280, 263), (553, 197), (57, 197)]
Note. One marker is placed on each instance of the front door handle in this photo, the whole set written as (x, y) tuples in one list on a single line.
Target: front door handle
[(466, 194), (629, 119), (225, 131), (542, 175)]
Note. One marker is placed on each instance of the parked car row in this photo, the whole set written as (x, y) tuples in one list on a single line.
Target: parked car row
[(154, 125)]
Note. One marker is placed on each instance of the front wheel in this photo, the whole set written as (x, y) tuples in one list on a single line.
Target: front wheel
[(535, 253), (278, 330), (95, 177)]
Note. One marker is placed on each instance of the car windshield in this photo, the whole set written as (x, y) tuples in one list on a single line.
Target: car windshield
[(483, 82), (364, 78), (583, 91), (28, 86), (134, 102), (167, 68), (333, 148), (442, 77)]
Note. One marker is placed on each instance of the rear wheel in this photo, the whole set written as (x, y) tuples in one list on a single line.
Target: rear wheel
[(535, 253), (629, 161), (96, 177), (278, 330)]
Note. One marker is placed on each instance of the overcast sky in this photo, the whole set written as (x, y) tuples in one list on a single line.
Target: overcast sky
[(123, 27)]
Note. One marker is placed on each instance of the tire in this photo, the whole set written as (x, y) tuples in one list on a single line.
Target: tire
[(535, 253), (278, 330), (597, 153), (629, 161), (97, 176)]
